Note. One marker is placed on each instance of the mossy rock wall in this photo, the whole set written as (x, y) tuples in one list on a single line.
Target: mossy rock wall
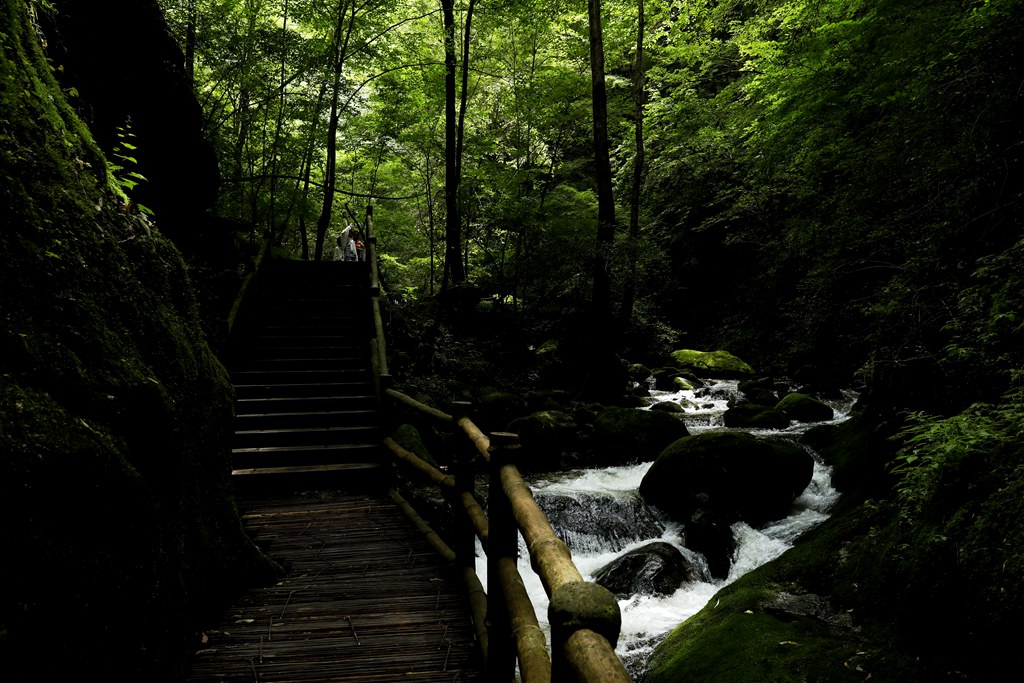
[(114, 414)]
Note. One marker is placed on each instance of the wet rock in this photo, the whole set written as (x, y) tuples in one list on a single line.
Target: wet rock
[(593, 524), (804, 408), (654, 569), (639, 373), (668, 407), (733, 476), (752, 416), (674, 379)]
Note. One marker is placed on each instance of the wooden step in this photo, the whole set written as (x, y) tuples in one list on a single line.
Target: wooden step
[(304, 390), (296, 404), (318, 419), (282, 456), (301, 376), (305, 436), (365, 477)]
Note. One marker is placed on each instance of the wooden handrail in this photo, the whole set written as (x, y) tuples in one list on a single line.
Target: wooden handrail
[(584, 616), (379, 355)]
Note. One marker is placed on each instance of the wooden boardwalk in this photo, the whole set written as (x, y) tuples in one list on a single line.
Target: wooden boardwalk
[(365, 598)]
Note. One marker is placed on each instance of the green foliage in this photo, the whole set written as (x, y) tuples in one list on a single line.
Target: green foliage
[(848, 145), (933, 447), (123, 168)]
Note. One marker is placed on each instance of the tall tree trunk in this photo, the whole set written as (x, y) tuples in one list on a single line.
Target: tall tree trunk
[(453, 271), (629, 288), (306, 172), (340, 48), (460, 130), (601, 297)]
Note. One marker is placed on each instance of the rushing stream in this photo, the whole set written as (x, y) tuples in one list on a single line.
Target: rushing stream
[(600, 515)]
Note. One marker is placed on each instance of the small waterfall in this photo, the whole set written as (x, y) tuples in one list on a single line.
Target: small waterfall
[(600, 515)]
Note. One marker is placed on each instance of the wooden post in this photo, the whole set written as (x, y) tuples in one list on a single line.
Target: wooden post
[(582, 606), (502, 545)]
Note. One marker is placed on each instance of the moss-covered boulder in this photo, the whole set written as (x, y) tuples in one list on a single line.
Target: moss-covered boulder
[(716, 364), (763, 634), (670, 407), (631, 435), (654, 569), (753, 416), (804, 408), (409, 438), (638, 372), (732, 475), (762, 391), (674, 379)]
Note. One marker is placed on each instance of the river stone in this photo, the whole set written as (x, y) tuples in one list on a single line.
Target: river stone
[(717, 364), (753, 416), (654, 569), (761, 391), (674, 379), (670, 407), (804, 408), (630, 435), (638, 372), (733, 476)]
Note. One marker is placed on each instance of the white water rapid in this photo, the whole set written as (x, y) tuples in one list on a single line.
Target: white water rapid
[(600, 515)]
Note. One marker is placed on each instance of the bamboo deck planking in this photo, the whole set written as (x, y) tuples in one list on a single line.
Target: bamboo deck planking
[(364, 599)]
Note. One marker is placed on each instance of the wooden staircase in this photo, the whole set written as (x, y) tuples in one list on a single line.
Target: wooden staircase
[(306, 410)]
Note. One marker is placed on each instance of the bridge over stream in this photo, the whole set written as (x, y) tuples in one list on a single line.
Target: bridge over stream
[(370, 592)]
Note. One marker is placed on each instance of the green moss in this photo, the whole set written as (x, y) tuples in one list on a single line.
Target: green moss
[(408, 437), (753, 641), (804, 408), (712, 363)]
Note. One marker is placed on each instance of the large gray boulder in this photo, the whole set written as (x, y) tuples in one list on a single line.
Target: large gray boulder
[(654, 569)]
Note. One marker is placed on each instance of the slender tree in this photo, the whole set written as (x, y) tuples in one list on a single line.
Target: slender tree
[(633, 244), (343, 32), (453, 270), (601, 298)]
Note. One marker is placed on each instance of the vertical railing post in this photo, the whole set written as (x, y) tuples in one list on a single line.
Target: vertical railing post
[(502, 547), (580, 606)]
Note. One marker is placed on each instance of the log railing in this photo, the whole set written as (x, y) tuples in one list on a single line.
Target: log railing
[(378, 349), (584, 617)]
